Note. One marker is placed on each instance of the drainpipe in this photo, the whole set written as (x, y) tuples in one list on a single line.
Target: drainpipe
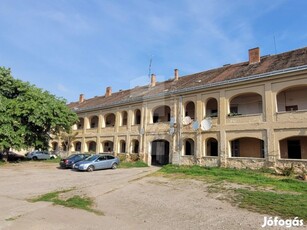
[(180, 129)]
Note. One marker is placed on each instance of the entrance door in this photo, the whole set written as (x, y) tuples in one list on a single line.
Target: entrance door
[(160, 152), (294, 149)]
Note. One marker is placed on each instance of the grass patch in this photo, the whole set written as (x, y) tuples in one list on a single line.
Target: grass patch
[(2, 163), (287, 196), (242, 176), (135, 164), (13, 218), (284, 205), (56, 160), (79, 202)]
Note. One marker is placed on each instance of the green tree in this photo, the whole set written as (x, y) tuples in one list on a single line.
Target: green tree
[(68, 139), (29, 115)]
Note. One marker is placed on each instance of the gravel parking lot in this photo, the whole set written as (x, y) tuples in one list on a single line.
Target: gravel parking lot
[(129, 199)]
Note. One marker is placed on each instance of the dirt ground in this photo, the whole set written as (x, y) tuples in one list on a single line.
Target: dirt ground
[(129, 199)]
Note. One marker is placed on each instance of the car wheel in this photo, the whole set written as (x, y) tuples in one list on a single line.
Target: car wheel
[(114, 165), (34, 158), (90, 168)]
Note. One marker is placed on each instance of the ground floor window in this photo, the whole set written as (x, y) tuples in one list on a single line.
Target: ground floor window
[(293, 148), (247, 147), (212, 147), (189, 146)]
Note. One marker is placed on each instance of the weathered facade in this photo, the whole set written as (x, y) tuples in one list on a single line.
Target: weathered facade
[(251, 114)]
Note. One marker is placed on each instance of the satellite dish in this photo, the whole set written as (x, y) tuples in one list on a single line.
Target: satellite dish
[(195, 125), (187, 120), (172, 121), (206, 124), (171, 131)]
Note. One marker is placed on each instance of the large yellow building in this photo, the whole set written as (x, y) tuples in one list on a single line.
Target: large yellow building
[(251, 114)]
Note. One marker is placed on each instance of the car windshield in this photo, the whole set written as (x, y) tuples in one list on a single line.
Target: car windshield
[(91, 158), (71, 156)]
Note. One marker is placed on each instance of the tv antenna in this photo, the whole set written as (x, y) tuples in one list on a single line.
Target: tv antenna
[(275, 45), (149, 68)]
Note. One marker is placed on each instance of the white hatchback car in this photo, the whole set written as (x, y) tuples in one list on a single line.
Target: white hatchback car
[(40, 155)]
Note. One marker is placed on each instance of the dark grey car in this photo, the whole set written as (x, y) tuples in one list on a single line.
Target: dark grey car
[(74, 158)]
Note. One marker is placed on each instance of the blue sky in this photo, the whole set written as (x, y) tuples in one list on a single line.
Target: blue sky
[(70, 47)]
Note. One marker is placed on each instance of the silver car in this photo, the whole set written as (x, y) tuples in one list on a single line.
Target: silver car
[(97, 161), (40, 155)]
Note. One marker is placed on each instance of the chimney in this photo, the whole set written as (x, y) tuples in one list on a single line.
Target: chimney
[(108, 91), (81, 98), (176, 74), (153, 80), (254, 55)]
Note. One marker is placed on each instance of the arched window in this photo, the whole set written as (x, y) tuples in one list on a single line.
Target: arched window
[(292, 99), (122, 147), (80, 124), (247, 147), (188, 146), (212, 108), (137, 117), (212, 147), (110, 120), (55, 146), (93, 122), (162, 114), (124, 118), (135, 146), (244, 104), (91, 146), (77, 146), (190, 109), (108, 146)]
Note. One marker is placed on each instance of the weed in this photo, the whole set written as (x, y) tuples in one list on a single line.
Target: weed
[(79, 202), (135, 164)]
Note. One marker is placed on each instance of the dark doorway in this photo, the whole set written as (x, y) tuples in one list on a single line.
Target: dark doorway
[(160, 152), (294, 149)]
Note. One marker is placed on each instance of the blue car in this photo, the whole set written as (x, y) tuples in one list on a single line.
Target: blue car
[(97, 161)]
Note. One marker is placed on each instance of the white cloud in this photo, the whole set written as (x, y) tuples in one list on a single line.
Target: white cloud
[(62, 88)]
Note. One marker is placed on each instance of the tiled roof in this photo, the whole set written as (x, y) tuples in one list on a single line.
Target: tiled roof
[(226, 73)]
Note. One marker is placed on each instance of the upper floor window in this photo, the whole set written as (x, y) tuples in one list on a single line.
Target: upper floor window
[(211, 108), (80, 124), (292, 99), (93, 122), (137, 117), (190, 110), (110, 120), (161, 114), (244, 104), (124, 118)]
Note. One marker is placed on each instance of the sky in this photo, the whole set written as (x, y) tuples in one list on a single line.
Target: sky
[(69, 47)]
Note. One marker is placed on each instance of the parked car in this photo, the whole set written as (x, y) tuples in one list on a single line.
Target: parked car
[(40, 155), (12, 156), (74, 158), (97, 161)]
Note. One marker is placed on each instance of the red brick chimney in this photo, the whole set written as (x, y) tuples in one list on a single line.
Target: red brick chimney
[(254, 55), (108, 91), (176, 74), (153, 80), (81, 98)]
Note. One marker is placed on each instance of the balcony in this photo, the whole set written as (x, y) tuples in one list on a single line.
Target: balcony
[(248, 118), (291, 116)]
